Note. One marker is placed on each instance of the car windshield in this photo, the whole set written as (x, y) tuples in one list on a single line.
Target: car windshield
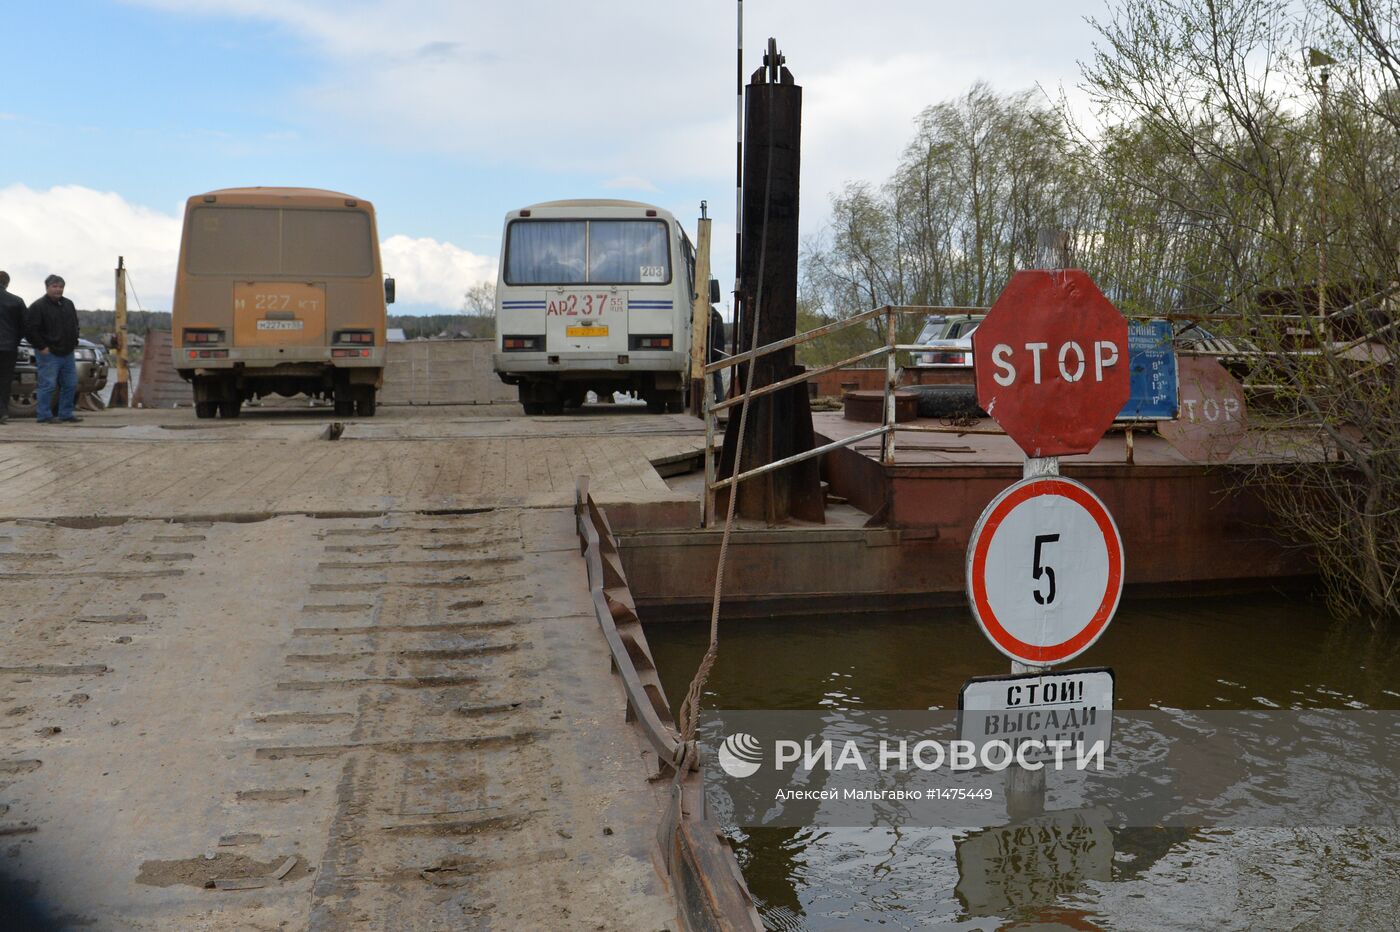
[(932, 329), (962, 328)]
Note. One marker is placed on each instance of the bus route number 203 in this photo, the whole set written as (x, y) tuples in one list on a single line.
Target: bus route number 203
[(577, 304)]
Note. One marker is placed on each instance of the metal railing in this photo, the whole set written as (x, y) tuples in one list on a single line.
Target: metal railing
[(646, 703), (892, 314), (706, 881)]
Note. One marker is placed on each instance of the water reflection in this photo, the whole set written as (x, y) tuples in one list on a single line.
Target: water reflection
[(1064, 869)]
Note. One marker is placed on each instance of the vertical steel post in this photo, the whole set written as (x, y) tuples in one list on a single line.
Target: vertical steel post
[(700, 310), (739, 165), (887, 440), (121, 397), (777, 425), (708, 518)]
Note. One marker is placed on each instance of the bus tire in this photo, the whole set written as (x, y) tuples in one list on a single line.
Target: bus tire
[(231, 408), (531, 408), (365, 401), (205, 409), (575, 396), (343, 398), (553, 408)]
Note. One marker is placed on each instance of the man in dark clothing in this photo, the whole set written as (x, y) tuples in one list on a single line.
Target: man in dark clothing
[(11, 332), (52, 325), (716, 347)]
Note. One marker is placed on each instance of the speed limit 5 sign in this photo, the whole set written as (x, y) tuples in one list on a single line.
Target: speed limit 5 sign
[(1044, 570)]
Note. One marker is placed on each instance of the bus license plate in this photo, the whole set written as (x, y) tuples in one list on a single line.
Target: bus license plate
[(280, 325), (584, 304), (597, 330)]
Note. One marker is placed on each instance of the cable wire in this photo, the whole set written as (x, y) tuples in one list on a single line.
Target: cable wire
[(690, 707)]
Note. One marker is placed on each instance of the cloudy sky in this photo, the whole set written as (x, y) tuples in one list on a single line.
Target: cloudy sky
[(448, 114)]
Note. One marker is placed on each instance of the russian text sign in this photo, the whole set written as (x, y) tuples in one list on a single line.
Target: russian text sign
[(1152, 372), (1039, 715)]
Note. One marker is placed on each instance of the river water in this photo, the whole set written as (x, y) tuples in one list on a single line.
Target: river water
[(1247, 653)]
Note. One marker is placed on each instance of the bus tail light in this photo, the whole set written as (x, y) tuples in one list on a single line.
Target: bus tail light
[(354, 336), (661, 341), (343, 353), (192, 335), (522, 344), (209, 354)]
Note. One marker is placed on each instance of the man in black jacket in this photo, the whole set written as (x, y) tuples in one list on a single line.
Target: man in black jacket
[(11, 332), (52, 325)]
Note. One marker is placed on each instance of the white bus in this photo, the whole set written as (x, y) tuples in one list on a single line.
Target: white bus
[(594, 295)]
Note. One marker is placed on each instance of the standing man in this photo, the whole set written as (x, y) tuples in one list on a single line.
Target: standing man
[(52, 323), (11, 332)]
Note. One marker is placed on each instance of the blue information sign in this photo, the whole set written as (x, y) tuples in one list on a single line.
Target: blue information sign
[(1151, 372)]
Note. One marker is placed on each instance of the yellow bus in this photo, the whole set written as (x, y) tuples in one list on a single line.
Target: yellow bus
[(279, 291)]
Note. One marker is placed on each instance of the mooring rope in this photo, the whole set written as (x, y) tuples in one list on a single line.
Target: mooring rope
[(690, 707)]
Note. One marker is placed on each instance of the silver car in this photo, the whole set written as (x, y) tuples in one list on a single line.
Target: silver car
[(950, 343), (90, 359)]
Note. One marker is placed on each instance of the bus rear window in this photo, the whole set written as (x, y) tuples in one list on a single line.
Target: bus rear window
[(628, 252), (232, 241), (326, 242), (256, 241), (604, 252), (547, 252)]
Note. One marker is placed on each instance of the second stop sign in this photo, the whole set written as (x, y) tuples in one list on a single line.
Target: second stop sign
[(1051, 361)]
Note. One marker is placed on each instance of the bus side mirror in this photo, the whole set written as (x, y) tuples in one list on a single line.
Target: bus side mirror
[(714, 291), (388, 291)]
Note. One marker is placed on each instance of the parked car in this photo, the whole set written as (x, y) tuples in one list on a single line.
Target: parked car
[(933, 330), (950, 345), (91, 360)]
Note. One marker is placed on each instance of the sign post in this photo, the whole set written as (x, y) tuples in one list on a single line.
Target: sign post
[(1045, 563)]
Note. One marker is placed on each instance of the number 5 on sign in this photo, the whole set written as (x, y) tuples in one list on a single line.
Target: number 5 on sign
[(1044, 570), (1040, 541)]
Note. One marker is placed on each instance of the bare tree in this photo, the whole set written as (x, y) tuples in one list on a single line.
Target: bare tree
[(480, 300), (1273, 184)]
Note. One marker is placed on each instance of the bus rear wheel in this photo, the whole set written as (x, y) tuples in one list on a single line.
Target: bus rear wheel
[(230, 408), (205, 409), (364, 400)]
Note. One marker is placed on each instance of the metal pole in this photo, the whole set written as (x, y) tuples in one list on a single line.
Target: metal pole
[(739, 161), (708, 518), (121, 396), (887, 442), (1322, 209), (700, 308)]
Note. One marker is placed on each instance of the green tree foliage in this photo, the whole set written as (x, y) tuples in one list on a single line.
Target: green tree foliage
[(984, 173), (1244, 166), (1272, 170)]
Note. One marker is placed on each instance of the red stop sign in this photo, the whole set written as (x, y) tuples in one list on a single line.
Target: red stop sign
[(1052, 362)]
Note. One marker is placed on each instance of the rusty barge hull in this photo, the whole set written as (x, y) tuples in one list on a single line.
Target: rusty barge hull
[(1188, 530)]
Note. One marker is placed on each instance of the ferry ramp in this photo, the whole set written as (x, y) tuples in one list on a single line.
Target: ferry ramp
[(254, 678)]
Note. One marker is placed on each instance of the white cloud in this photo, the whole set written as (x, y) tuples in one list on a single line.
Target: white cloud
[(78, 233), (630, 90), (432, 273)]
